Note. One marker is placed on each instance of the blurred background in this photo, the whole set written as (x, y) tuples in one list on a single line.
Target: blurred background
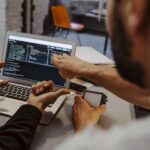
[(82, 21)]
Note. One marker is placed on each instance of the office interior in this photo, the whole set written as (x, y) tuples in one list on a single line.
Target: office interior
[(37, 17)]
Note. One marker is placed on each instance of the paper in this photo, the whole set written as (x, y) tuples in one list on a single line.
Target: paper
[(92, 56)]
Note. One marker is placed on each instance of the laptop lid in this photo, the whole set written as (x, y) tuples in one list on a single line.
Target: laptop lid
[(28, 58)]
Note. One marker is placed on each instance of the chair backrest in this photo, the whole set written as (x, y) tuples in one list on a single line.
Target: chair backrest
[(61, 16)]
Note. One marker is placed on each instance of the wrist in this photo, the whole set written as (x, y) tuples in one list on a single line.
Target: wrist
[(88, 70), (38, 106)]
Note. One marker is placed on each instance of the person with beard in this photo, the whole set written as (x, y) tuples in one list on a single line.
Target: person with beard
[(129, 28), (128, 24)]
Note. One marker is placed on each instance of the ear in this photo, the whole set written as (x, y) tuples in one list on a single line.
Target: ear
[(134, 13)]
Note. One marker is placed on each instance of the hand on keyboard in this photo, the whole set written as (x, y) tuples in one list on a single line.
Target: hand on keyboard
[(43, 87), (44, 93)]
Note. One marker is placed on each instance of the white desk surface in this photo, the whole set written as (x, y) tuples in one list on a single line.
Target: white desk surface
[(90, 55), (47, 137)]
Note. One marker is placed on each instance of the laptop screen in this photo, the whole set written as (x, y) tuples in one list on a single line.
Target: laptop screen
[(31, 59)]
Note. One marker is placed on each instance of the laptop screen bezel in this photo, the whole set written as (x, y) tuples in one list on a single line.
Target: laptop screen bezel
[(37, 37)]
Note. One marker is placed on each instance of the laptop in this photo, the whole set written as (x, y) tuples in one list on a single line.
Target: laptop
[(28, 59)]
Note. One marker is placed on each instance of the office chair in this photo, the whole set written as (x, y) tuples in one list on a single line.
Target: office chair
[(61, 19)]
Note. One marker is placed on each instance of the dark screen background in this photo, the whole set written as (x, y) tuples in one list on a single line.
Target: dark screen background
[(32, 61)]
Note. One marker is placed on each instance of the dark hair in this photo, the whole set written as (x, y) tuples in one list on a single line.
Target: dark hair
[(122, 50), (146, 19)]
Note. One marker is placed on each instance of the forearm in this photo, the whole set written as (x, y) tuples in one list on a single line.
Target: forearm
[(18, 132), (110, 79)]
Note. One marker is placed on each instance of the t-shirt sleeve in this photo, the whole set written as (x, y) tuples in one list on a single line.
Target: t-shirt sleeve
[(133, 136)]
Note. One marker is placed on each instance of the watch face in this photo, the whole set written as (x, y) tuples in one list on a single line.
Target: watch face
[(95, 98)]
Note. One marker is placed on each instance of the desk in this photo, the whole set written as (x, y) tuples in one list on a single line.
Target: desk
[(47, 137), (92, 56)]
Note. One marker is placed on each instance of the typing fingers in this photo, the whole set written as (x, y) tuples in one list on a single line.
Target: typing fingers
[(42, 87)]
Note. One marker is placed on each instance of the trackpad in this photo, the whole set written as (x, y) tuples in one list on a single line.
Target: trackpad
[(9, 106)]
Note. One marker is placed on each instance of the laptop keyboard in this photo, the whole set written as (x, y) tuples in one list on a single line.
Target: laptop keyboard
[(15, 91)]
